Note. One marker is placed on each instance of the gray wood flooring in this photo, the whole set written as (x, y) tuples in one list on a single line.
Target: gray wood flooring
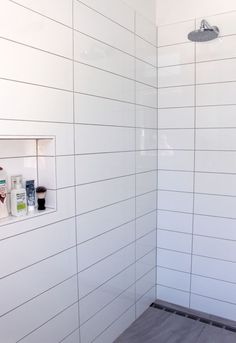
[(157, 326)]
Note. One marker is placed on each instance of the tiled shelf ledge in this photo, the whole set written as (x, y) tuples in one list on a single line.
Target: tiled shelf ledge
[(11, 219)]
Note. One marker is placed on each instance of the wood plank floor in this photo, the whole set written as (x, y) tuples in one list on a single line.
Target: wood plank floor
[(157, 326)]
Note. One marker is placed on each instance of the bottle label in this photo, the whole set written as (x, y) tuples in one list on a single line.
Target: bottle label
[(3, 191), (20, 202)]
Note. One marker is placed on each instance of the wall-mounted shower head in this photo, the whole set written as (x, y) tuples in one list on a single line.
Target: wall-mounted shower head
[(205, 33)]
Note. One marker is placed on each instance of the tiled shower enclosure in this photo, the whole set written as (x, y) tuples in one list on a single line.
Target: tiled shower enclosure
[(140, 172)]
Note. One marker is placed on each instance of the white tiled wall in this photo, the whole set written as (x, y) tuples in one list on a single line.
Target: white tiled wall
[(196, 242), (86, 75)]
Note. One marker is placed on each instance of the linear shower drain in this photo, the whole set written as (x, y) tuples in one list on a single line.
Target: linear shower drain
[(194, 317)]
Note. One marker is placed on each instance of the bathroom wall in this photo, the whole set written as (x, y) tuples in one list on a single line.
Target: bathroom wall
[(196, 239), (171, 11), (85, 76), (146, 8)]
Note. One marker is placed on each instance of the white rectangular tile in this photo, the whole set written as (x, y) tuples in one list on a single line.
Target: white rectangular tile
[(117, 11), (98, 222), (175, 221), (173, 279), (145, 203), (40, 244), (215, 227), (65, 171), (33, 314), (174, 241), (176, 139), (146, 182), (175, 201), (176, 97), (214, 248), (146, 139), (96, 25), (146, 73), (145, 224), (105, 270), (56, 329), (95, 53), (175, 54), (146, 283), (221, 48), (216, 289), (216, 139), (63, 13), (145, 244), (146, 117), (146, 51), (100, 247), (176, 76), (26, 64), (216, 71), (18, 99), (173, 296), (94, 110), (96, 195), (93, 81), (144, 302), (176, 118), (216, 307), (146, 95), (108, 139), (176, 181), (215, 205), (90, 168), (212, 183), (101, 321), (145, 264), (118, 327), (216, 116), (73, 338), (42, 34), (216, 269), (102, 296), (145, 29), (216, 94), (146, 160), (174, 260), (174, 33), (57, 268), (175, 160)]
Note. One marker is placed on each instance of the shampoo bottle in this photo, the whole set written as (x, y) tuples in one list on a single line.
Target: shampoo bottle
[(18, 198), (3, 194)]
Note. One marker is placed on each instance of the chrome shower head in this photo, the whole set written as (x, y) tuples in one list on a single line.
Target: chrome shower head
[(205, 33)]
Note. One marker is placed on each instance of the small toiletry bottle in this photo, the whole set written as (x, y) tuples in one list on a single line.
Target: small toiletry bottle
[(30, 192), (3, 194), (18, 198)]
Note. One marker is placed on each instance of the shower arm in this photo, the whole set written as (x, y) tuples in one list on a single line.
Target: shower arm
[(206, 26)]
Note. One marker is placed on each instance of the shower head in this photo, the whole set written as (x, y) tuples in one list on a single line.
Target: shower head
[(205, 33)]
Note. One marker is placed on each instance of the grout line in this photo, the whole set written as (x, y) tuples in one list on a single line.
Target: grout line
[(75, 164), (157, 157), (194, 168), (135, 145)]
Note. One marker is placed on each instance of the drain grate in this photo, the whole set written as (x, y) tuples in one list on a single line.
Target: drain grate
[(194, 317)]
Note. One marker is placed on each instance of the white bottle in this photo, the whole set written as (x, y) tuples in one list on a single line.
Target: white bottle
[(3, 194), (18, 198)]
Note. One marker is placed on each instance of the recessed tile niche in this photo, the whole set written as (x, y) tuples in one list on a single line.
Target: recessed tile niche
[(34, 158)]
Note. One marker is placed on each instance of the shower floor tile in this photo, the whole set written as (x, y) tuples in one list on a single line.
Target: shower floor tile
[(157, 326)]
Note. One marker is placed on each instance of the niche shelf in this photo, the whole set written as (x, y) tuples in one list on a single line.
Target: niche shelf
[(33, 157)]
